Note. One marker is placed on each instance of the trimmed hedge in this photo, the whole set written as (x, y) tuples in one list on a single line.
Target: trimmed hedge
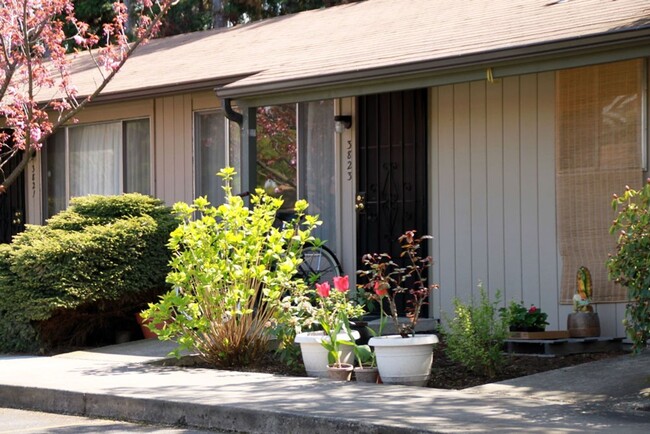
[(90, 267)]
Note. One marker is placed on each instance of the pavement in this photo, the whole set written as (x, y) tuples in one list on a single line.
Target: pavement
[(121, 382)]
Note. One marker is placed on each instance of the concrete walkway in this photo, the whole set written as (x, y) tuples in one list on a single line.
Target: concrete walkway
[(118, 382)]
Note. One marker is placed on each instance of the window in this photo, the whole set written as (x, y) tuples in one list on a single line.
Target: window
[(599, 151), (209, 154), (107, 158), (317, 165), (296, 159), (211, 132)]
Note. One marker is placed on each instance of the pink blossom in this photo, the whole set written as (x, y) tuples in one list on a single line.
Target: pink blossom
[(35, 134), (36, 27), (323, 289), (341, 283), (532, 309)]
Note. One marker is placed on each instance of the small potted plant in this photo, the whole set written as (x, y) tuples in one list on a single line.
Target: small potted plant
[(366, 371), (333, 344), (404, 358), (583, 321), (524, 319)]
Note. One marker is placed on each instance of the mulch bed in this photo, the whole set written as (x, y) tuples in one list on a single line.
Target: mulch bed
[(445, 374)]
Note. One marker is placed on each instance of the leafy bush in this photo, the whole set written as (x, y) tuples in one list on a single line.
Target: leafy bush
[(521, 318), (475, 336), (103, 257), (630, 266), (233, 277)]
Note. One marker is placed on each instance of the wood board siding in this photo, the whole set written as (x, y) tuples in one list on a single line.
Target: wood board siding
[(493, 213), (173, 150)]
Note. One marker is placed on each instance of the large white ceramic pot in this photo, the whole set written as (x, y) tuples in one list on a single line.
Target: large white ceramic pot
[(314, 355), (404, 361)]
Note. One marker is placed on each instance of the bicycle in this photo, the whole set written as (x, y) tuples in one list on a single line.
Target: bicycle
[(319, 263)]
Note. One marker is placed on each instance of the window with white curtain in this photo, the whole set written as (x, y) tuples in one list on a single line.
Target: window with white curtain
[(107, 158), (209, 154)]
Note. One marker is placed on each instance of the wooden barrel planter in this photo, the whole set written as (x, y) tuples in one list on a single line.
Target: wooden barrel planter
[(583, 324)]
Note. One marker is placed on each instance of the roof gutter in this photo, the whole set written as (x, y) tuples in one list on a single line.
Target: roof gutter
[(502, 57), (166, 90)]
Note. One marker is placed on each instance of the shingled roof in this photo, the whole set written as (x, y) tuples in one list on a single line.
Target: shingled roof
[(372, 38)]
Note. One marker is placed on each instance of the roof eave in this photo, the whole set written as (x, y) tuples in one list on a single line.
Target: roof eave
[(493, 59), (168, 89)]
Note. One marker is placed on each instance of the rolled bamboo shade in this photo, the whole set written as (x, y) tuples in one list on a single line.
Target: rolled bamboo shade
[(598, 153)]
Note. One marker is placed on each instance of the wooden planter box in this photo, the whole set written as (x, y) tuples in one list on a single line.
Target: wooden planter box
[(557, 334)]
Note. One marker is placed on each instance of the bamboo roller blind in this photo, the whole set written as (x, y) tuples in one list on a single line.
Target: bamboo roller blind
[(598, 153)]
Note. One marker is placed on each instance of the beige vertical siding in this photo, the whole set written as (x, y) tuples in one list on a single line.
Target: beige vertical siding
[(33, 191), (173, 150), (493, 195)]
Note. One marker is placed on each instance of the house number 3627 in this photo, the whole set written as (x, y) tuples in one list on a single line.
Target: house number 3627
[(348, 160)]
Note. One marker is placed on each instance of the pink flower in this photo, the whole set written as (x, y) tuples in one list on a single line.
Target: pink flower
[(323, 289), (532, 309), (341, 283), (380, 288), (35, 134)]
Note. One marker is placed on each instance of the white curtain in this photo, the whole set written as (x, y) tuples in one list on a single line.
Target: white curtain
[(210, 152), (95, 159), (317, 159)]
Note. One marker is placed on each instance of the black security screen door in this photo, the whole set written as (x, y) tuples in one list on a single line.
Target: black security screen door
[(392, 170), (12, 203)]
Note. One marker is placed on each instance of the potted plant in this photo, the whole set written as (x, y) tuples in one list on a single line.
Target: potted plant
[(333, 344), (523, 319), (404, 358), (583, 321), (367, 371)]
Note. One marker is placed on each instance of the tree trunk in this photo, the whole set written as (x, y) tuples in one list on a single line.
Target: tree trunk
[(218, 20)]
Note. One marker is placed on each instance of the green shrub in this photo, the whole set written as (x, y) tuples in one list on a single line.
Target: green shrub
[(102, 258), (630, 265), (475, 336), (233, 277)]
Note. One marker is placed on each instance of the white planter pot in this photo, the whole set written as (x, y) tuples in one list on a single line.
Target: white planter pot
[(404, 360), (314, 355)]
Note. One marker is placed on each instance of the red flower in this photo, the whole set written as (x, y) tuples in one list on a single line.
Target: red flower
[(532, 309), (380, 288), (323, 289), (341, 283)]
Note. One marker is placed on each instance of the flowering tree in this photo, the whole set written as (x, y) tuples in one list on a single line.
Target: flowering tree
[(37, 95)]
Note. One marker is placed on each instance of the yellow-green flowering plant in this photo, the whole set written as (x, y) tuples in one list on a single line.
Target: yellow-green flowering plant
[(233, 273)]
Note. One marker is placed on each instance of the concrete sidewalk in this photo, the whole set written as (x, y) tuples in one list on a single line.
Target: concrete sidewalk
[(118, 383)]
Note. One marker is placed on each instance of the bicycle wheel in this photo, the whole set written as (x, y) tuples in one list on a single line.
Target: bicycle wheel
[(319, 264)]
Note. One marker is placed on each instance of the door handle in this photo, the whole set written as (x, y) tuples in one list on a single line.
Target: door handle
[(359, 203)]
